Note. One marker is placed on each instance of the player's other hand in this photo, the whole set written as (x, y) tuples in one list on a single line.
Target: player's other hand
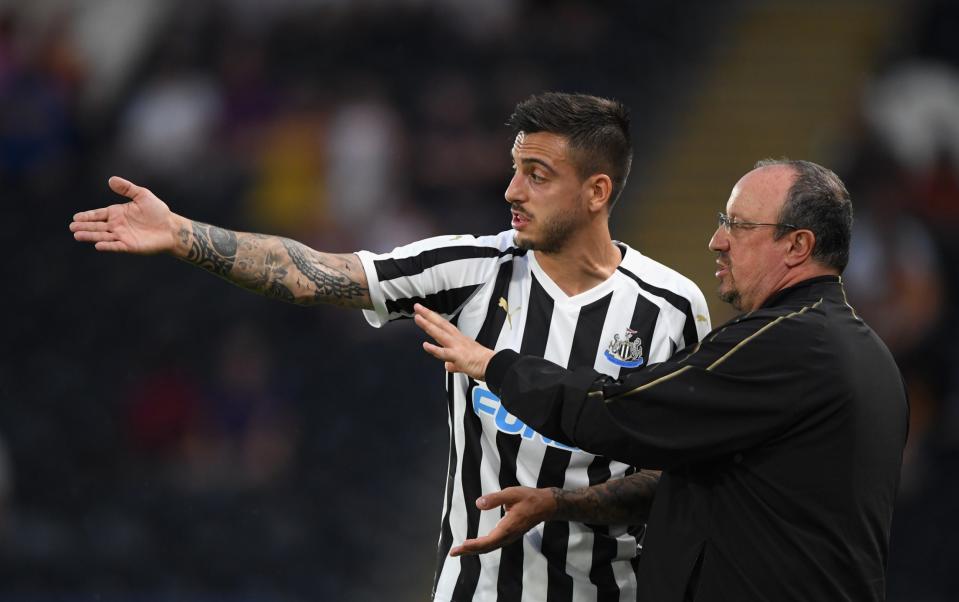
[(142, 225), (458, 352), (525, 508)]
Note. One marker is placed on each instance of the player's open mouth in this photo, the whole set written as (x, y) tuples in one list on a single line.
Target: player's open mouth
[(519, 220)]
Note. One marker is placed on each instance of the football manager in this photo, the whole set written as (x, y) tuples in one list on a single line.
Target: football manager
[(780, 435)]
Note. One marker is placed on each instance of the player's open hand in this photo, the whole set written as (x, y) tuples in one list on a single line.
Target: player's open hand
[(143, 225), (525, 508), (458, 352)]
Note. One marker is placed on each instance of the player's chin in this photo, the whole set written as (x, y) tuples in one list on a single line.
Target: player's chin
[(524, 241)]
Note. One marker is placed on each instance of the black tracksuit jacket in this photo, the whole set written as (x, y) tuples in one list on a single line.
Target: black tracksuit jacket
[(780, 437)]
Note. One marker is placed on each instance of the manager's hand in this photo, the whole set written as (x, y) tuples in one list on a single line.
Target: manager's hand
[(458, 352), (525, 508), (144, 225)]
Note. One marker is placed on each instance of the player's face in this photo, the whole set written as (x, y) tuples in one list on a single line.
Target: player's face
[(751, 262), (545, 193)]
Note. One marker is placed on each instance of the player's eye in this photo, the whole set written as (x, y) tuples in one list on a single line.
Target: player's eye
[(536, 178)]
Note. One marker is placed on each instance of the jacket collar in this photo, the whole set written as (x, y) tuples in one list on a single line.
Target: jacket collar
[(820, 286)]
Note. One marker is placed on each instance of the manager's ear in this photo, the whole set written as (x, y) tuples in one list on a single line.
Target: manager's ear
[(598, 188), (802, 243)]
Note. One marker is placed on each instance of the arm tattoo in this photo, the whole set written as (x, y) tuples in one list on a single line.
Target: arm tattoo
[(331, 282), (277, 267), (623, 501), (213, 248)]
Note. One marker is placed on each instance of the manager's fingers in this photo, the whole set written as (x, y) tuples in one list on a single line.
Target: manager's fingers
[(429, 315), (433, 326), (440, 328), (436, 351)]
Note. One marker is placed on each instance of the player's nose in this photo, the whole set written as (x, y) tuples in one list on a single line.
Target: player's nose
[(514, 191)]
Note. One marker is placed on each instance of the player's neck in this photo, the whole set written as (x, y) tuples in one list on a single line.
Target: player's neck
[(587, 260)]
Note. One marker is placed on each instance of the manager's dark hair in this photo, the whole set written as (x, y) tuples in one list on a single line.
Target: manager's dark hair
[(597, 131), (817, 201)]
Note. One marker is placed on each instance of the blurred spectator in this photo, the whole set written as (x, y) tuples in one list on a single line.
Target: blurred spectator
[(169, 125), (288, 192), (241, 436), (915, 110), (162, 408), (895, 274), (364, 150), (38, 80)]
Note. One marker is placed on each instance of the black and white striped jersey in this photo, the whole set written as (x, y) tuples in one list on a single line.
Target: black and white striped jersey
[(499, 295)]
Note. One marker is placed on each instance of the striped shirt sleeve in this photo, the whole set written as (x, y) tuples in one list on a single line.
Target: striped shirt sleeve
[(441, 273)]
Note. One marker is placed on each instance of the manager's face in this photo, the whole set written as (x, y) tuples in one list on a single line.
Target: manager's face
[(545, 193), (751, 262)]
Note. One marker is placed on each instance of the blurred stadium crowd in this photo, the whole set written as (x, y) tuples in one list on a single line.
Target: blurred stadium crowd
[(166, 436)]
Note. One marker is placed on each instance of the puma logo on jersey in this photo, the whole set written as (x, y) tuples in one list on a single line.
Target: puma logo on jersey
[(504, 304)]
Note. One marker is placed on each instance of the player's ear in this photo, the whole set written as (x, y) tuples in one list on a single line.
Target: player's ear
[(598, 188)]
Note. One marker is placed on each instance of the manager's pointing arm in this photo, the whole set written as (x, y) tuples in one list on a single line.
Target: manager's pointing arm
[(547, 397), (706, 401)]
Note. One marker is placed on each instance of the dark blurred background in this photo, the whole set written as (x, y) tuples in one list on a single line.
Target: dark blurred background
[(166, 436)]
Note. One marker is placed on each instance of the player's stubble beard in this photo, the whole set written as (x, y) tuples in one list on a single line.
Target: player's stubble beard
[(556, 231)]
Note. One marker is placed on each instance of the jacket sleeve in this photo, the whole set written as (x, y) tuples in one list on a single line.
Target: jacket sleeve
[(748, 383)]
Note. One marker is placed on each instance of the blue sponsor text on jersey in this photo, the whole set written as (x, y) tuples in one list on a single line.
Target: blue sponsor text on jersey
[(485, 402)]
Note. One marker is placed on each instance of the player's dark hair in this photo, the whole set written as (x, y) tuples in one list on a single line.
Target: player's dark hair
[(597, 131), (817, 201)]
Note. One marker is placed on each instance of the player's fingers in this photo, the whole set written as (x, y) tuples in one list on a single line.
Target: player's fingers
[(497, 538), (98, 226), (124, 187), (114, 246), (91, 215), (84, 236), (497, 498), (471, 547)]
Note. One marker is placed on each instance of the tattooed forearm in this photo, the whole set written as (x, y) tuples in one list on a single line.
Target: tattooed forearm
[(212, 248), (262, 269), (329, 275), (276, 267), (623, 501)]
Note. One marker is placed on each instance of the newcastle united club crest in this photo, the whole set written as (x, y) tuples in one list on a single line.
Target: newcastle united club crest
[(625, 351)]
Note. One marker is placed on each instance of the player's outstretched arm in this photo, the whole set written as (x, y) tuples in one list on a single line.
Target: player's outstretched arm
[(623, 501), (270, 265)]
